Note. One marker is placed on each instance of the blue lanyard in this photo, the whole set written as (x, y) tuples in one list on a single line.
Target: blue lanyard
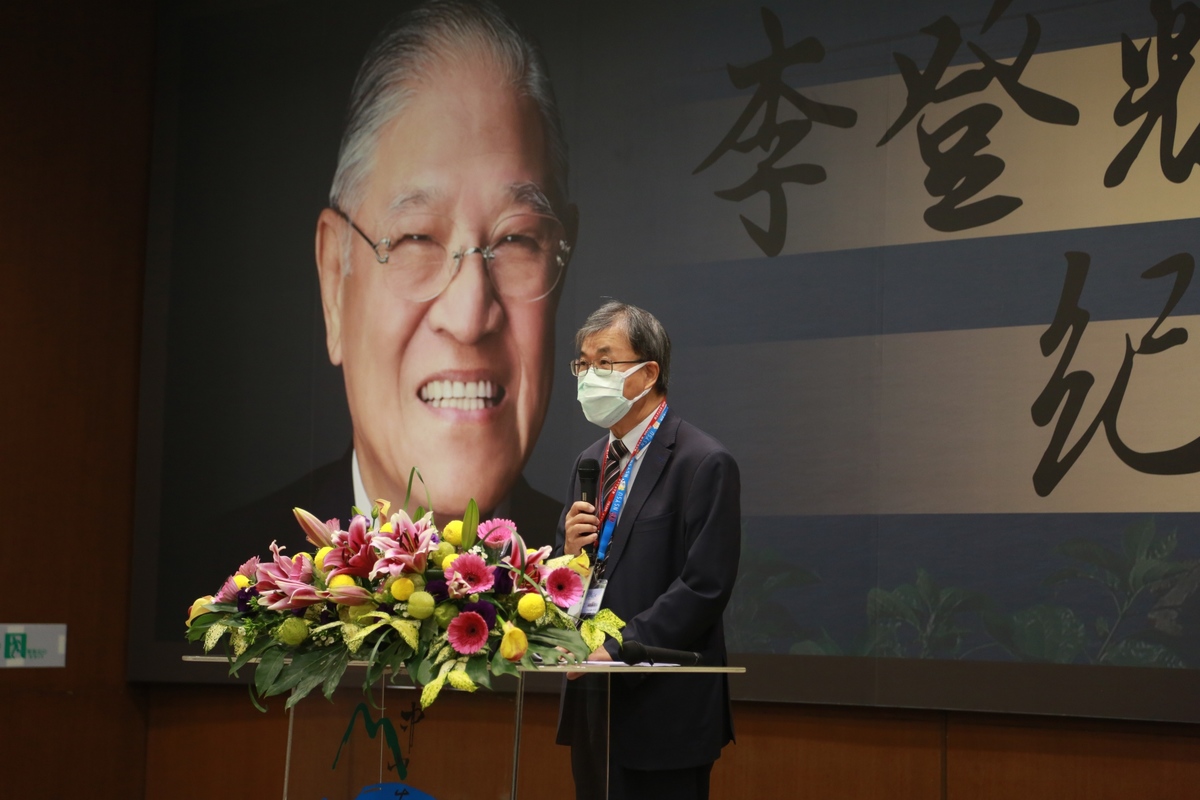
[(614, 511)]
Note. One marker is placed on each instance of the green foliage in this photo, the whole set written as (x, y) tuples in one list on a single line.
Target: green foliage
[(470, 525), (921, 619), (1142, 565), (756, 621), (1041, 633)]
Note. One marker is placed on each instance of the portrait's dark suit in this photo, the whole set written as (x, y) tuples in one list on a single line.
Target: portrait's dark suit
[(328, 492), (671, 568)]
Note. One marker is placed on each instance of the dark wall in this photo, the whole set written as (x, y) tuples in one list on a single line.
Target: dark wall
[(74, 142), (75, 83)]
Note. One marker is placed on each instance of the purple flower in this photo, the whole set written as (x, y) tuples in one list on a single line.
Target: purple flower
[(503, 583), (437, 587), (243, 598)]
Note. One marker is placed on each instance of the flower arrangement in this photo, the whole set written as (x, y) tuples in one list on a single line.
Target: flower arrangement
[(452, 606)]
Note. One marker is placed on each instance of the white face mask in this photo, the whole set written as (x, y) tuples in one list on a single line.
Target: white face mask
[(603, 399)]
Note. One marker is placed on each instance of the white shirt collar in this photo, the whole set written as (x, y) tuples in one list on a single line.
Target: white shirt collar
[(361, 501), (634, 436)]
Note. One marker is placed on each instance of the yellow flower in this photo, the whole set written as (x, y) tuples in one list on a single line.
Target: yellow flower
[(448, 560), (402, 589), (531, 607), (386, 528), (420, 605), (198, 608), (341, 580), (241, 581), (580, 564), (384, 506), (514, 644), (452, 532), (320, 559)]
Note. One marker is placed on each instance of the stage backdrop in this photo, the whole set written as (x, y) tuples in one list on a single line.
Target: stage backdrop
[(927, 271)]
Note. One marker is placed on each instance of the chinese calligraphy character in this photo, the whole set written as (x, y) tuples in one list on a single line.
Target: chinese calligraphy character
[(1160, 103), (960, 172), (769, 177), (1068, 390)]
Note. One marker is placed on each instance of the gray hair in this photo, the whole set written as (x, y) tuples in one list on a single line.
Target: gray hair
[(647, 336), (407, 51)]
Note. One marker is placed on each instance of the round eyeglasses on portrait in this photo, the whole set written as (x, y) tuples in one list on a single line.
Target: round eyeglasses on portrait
[(602, 368), (525, 255)]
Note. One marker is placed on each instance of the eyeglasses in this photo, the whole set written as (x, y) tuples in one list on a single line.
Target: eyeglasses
[(525, 255), (602, 367)]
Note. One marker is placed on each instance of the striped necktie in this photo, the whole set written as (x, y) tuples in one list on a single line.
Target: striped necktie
[(612, 467)]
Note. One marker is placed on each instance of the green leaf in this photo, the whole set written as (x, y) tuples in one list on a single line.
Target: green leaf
[(1137, 539), (333, 671), (1149, 571), (821, 646), (477, 670), (416, 473), (1091, 553), (1163, 546), (1068, 574), (423, 671), (502, 666), (927, 590), (268, 669), (883, 605), (470, 528), (1136, 653), (251, 652), (557, 637), (1047, 633), (293, 673), (201, 624)]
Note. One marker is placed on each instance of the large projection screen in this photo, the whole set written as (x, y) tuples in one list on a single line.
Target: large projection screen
[(926, 268)]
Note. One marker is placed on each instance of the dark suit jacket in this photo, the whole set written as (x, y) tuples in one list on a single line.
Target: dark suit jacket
[(671, 568)]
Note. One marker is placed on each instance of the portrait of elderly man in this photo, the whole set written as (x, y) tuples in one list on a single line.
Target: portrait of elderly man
[(441, 257)]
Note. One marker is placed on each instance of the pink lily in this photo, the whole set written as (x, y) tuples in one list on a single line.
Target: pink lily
[(407, 547), (352, 552), (320, 534), (287, 583), (530, 564)]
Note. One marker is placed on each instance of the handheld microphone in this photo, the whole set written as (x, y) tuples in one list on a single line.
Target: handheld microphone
[(636, 653), (589, 476)]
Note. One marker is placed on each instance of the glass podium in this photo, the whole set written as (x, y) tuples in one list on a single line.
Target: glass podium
[(463, 747)]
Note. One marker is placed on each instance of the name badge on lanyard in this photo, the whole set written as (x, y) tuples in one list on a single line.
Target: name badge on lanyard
[(593, 591)]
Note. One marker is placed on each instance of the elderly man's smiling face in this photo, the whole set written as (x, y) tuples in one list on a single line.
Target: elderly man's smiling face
[(456, 385)]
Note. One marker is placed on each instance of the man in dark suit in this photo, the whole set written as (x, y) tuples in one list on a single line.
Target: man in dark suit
[(665, 542)]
